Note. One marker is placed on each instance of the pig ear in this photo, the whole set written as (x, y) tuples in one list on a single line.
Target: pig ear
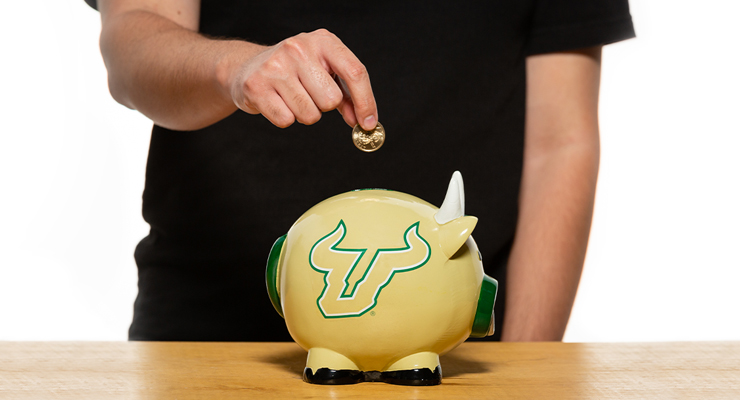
[(453, 234), (454, 204)]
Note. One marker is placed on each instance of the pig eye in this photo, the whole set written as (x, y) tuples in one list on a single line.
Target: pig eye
[(480, 256)]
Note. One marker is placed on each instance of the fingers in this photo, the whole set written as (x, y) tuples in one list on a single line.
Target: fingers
[(300, 103), (284, 104), (295, 81), (317, 82), (356, 83), (255, 96), (346, 108), (272, 106)]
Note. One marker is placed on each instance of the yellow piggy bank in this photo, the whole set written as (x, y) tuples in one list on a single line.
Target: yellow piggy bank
[(376, 284)]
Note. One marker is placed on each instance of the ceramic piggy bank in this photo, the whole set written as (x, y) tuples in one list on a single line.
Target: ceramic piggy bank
[(376, 284)]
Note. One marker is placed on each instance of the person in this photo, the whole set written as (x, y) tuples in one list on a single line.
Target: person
[(506, 92)]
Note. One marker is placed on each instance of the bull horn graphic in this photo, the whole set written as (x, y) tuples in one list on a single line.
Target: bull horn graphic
[(454, 205)]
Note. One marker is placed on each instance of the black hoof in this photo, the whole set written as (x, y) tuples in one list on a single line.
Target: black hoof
[(326, 376), (413, 377)]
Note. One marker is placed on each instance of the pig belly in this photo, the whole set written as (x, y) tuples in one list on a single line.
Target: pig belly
[(379, 338)]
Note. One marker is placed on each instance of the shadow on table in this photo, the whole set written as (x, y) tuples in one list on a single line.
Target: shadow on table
[(455, 364), (292, 360), (452, 364)]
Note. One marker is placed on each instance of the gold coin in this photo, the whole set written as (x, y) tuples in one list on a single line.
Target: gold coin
[(368, 141)]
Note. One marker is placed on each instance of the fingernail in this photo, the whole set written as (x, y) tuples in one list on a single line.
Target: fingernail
[(369, 123)]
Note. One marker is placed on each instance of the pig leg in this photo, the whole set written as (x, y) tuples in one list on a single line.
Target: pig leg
[(327, 367), (420, 369)]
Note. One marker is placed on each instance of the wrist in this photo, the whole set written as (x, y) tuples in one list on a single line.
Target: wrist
[(230, 63)]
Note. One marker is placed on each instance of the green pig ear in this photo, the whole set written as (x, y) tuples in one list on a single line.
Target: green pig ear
[(272, 274)]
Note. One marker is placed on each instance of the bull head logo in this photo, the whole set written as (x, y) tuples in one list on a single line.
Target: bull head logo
[(352, 284), (355, 277)]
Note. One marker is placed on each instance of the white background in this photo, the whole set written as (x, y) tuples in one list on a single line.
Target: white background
[(663, 263)]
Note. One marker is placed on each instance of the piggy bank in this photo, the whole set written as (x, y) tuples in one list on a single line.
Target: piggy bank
[(376, 284)]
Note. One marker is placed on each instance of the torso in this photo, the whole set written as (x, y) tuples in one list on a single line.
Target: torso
[(449, 80)]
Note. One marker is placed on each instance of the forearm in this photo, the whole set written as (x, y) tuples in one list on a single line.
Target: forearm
[(556, 199), (171, 74), (556, 205)]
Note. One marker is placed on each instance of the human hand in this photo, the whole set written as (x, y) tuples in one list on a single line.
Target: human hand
[(303, 76)]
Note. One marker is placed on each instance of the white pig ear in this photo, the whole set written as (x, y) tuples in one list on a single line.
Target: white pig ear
[(452, 235), (454, 205)]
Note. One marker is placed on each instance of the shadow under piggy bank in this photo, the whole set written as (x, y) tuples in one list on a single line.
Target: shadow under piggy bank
[(294, 361)]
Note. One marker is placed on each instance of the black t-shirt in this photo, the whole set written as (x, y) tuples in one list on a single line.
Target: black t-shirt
[(449, 80)]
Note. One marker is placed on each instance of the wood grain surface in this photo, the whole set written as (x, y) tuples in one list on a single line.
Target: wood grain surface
[(170, 370)]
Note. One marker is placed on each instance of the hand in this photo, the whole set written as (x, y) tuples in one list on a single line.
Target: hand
[(303, 76)]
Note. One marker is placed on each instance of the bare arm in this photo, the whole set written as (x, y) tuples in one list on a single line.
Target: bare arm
[(561, 161), (158, 64)]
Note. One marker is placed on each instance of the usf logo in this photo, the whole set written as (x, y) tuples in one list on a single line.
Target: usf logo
[(354, 278)]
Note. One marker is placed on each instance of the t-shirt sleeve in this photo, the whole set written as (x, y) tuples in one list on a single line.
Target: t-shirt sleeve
[(560, 25), (92, 3)]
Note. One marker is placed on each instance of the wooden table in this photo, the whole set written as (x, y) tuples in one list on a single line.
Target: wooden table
[(151, 370)]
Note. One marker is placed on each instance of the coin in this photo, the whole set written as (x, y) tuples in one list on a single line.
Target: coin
[(368, 141)]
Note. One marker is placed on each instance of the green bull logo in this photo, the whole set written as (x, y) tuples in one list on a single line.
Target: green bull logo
[(352, 283)]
